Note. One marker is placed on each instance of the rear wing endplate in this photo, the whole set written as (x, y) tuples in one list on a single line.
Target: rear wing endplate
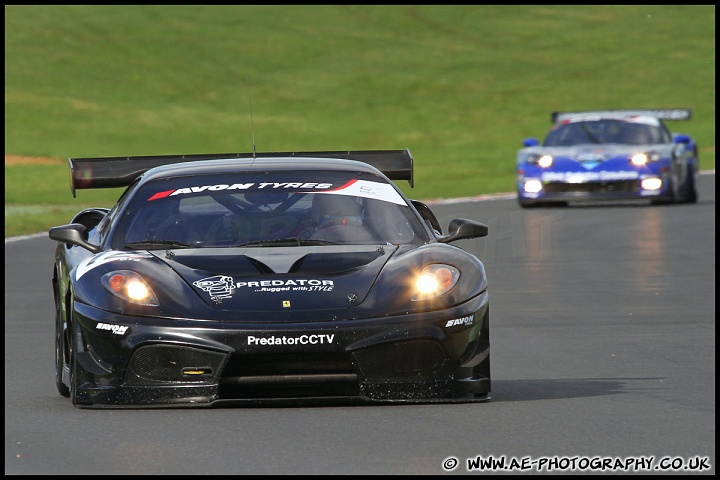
[(664, 114), (113, 172)]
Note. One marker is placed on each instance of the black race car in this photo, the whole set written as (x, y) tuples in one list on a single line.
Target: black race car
[(231, 279)]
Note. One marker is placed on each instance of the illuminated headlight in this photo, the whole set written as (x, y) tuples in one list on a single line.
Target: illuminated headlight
[(435, 280), (541, 160), (532, 186), (545, 161), (639, 159), (129, 286), (651, 183)]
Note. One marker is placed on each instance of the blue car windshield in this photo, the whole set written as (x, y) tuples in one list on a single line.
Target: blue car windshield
[(607, 131), (277, 208)]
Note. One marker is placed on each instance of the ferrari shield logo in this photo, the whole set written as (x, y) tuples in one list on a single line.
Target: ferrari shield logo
[(286, 303)]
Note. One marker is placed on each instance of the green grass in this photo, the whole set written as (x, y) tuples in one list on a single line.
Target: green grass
[(460, 86)]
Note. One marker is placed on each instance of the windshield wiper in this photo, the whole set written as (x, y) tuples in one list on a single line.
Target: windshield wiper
[(286, 242), (157, 244)]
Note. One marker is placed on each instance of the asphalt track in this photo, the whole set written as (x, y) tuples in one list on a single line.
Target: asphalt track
[(603, 359)]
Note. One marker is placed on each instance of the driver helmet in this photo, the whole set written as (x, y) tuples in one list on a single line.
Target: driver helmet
[(330, 209)]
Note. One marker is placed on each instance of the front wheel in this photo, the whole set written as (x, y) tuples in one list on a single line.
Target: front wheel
[(72, 355), (691, 194), (73, 376), (61, 365), (672, 198)]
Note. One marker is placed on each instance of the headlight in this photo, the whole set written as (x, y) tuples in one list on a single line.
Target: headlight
[(532, 186), (651, 183), (129, 286), (541, 160), (435, 280), (545, 161), (640, 159)]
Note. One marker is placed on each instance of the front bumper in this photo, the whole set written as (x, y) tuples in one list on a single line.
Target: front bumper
[(618, 190), (536, 186), (127, 361)]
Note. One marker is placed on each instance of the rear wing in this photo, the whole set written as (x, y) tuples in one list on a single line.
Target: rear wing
[(664, 114), (113, 172)]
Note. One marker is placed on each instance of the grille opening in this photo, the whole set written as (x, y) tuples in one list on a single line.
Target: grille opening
[(593, 187), (288, 376), (414, 359)]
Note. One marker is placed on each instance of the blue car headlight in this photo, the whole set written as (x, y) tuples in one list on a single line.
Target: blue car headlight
[(643, 158), (542, 160)]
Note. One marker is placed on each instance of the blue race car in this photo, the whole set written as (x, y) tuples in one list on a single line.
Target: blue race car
[(612, 155)]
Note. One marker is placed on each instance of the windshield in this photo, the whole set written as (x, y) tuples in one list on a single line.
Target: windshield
[(606, 131), (286, 208)]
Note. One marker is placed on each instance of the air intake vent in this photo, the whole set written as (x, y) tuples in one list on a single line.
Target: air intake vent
[(419, 359), (163, 364)]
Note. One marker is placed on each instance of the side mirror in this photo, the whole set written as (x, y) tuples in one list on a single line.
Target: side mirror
[(681, 138), (73, 234), (462, 228), (530, 142)]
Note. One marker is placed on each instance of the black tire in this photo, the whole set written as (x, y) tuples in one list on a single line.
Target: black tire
[(73, 376), (691, 194), (60, 348), (72, 357), (666, 201)]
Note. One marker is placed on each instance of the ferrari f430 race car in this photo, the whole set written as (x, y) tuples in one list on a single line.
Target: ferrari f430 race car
[(614, 155), (231, 279)]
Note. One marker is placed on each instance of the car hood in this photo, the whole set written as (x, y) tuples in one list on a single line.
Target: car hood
[(277, 278), (593, 152)]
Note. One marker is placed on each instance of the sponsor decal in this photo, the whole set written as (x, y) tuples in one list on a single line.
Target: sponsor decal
[(243, 186), (590, 160), (589, 165), (115, 329), (591, 157), (359, 188), (290, 285), (367, 189), (465, 321), (223, 286), (218, 287), (313, 339), (106, 257), (582, 177)]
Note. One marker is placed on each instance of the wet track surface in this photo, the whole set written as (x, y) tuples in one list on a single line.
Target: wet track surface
[(602, 325)]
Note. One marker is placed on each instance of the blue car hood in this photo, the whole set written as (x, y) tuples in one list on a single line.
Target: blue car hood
[(598, 153)]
